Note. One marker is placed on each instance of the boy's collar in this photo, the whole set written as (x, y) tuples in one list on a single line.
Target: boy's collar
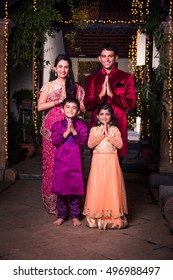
[(66, 119)]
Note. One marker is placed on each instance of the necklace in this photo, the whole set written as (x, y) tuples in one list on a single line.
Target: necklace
[(60, 83)]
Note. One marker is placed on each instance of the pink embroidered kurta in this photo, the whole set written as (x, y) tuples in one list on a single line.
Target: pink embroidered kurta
[(124, 98), (105, 204), (67, 173), (53, 90)]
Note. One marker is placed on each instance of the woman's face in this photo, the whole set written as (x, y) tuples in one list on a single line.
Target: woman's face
[(62, 69), (104, 116)]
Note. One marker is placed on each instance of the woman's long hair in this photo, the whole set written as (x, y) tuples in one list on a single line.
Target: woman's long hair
[(70, 85), (106, 106)]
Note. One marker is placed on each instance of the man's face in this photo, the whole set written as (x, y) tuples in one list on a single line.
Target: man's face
[(107, 59)]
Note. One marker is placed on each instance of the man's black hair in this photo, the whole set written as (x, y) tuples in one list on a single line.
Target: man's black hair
[(108, 47)]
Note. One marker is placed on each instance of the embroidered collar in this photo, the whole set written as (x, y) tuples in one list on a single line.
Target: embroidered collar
[(65, 121), (113, 71)]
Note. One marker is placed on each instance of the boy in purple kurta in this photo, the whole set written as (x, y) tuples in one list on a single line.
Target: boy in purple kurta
[(69, 136)]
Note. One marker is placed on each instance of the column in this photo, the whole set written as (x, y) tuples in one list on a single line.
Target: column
[(5, 173), (164, 165)]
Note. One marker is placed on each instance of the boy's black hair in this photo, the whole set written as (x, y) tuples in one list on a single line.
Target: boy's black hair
[(108, 47), (106, 106), (71, 100)]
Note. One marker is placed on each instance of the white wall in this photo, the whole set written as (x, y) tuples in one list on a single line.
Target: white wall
[(52, 47), (22, 76), (122, 64)]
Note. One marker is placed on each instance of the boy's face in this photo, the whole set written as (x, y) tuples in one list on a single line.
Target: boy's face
[(70, 110)]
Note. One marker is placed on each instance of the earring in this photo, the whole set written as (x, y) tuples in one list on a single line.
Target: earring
[(56, 74), (110, 123), (98, 122)]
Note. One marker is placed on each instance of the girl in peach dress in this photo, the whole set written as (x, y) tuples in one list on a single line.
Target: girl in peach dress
[(105, 204)]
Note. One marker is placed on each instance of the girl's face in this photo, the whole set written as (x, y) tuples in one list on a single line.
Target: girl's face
[(70, 110), (62, 69), (104, 116)]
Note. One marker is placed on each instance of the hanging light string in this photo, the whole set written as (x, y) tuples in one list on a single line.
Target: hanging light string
[(6, 78), (89, 14), (141, 75), (170, 73), (132, 67), (144, 77), (132, 54), (137, 10), (109, 21), (35, 77), (147, 61), (84, 12)]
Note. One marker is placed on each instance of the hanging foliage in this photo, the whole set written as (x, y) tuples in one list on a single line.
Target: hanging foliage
[(32, 25), (153, 101)]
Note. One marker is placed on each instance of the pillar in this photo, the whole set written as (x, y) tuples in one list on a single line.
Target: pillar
[(6, 174), (164, 165)]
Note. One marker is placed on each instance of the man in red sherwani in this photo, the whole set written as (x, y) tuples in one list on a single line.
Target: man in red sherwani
[(112, 86)]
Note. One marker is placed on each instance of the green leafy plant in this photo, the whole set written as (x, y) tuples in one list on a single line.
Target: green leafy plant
[(23, 94), (31, 27), (14, 132), (153, 97)]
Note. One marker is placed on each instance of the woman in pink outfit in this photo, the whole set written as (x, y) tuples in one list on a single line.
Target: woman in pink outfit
[(50, 100), (105, 204)]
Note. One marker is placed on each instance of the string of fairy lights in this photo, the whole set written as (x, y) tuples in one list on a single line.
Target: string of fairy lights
[(35, 77), (139, 72), (170, 73), (6, 78), (138, 9), (147, 60)]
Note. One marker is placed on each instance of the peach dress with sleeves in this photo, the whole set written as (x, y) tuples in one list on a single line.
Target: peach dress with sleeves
[(105, 204)]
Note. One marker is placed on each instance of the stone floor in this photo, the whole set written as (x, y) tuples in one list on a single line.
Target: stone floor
[(27, 231)]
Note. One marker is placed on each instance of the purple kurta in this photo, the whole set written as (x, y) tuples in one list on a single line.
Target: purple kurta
[(67, 173)]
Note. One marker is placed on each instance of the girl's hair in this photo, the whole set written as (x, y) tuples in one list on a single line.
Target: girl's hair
[(106, 106), (70, 85), (71, 100)]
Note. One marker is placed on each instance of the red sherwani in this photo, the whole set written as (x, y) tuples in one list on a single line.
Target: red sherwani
[(124, 97)]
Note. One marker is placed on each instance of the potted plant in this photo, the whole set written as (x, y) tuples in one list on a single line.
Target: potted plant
[(152, 111), (33, 139), (23, 97), (15, 152)]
